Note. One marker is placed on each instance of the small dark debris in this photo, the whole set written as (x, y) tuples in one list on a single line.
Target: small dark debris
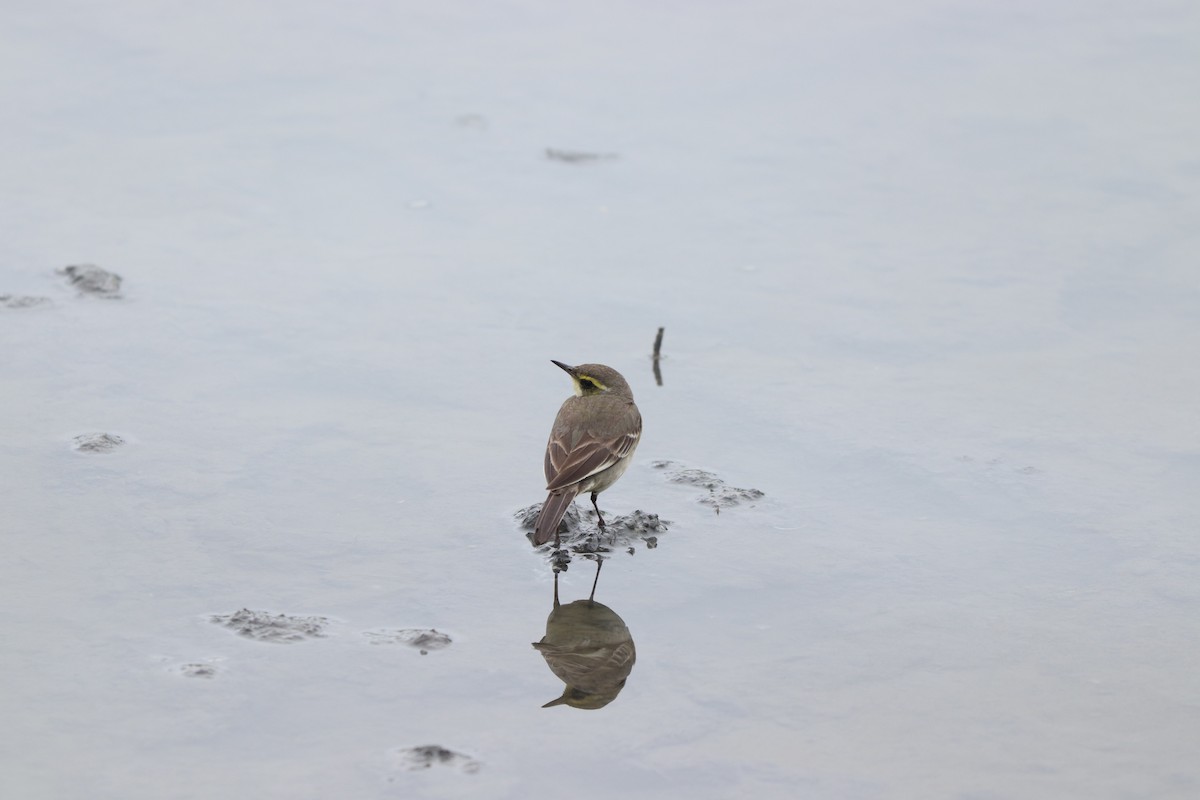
[(263, 626), (90, 279), (577, 156), (199, 671), (97, 442), (418, 638), (426, 756), (560, 560)]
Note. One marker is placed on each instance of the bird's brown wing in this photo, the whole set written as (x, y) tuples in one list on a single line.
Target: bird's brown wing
[(589, 666), (585, 454)]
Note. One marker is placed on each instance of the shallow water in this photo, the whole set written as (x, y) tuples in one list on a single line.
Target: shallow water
[(928, 279)]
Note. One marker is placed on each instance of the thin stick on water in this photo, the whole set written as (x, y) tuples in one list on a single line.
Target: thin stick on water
[(657, 357)]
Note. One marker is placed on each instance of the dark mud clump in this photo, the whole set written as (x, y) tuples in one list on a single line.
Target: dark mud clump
[(263, 626), (420, 639), (97, 442), (587, 537), (719, 494), (621, 532), (207, 671), (579, 534), (429, 755), (22, 301), (641, 523), (90, 279)]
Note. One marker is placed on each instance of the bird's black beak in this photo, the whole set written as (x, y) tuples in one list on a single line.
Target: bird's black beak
[(565, 368)]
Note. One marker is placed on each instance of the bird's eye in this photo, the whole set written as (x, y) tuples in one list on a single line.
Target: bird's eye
[(587, 384)]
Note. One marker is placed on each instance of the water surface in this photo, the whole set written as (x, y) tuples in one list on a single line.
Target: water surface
[(928, 279)]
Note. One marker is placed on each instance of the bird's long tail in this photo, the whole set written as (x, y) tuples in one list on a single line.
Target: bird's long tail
[(551, 514)]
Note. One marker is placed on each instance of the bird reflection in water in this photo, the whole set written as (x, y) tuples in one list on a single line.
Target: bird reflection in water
[(589, 648)]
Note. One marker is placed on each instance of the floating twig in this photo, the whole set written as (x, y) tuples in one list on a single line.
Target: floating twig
[(577, 156)]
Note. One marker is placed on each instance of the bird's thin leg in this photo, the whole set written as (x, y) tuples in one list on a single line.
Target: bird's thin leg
[(599, 564), (556, 588), (599, 516)]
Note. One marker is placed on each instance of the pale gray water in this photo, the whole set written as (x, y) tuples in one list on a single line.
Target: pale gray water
[(928, 274)]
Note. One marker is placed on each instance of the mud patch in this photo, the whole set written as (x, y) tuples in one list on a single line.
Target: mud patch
[(584, 534), (206, 671), (641, 523), (431, 755), (90, 279), (97, 442), (263, 626), (22, 301), (719, 494), (420, 639), (621, 533)]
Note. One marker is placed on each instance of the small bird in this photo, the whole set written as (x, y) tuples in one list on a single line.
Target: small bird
[(591, 443)]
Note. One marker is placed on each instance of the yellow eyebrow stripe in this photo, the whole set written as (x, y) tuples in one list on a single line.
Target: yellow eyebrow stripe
[(595, 382)]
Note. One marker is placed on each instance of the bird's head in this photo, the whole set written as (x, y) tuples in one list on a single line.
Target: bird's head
[(592, 379)]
